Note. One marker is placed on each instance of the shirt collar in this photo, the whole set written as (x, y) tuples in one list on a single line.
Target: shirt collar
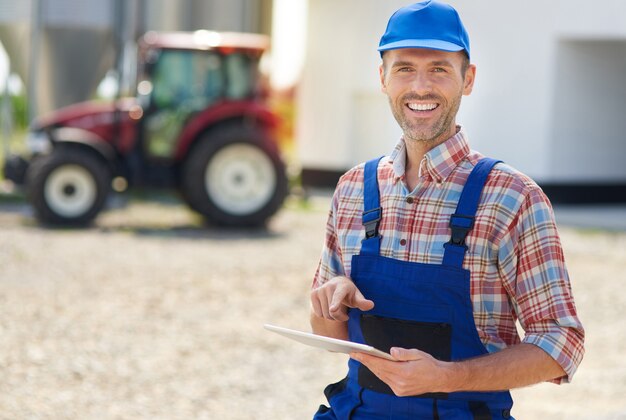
[(439, 162)]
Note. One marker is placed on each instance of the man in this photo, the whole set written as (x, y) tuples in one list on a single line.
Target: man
[(434, 252)]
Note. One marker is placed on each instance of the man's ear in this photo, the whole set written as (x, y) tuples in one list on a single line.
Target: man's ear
[(381, 73), (470, 77)]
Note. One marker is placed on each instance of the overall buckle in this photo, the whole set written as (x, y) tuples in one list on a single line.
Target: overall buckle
[(460, 225), (370, 221)]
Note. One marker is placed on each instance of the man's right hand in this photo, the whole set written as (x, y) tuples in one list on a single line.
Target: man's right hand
[(332, 300)]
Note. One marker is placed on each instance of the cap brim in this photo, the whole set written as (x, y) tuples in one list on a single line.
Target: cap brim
[(433, 44)]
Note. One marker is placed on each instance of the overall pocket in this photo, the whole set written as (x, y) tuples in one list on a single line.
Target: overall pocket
[(434, 338)]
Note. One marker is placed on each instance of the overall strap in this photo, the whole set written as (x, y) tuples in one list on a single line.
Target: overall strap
[(372, 212), (462, 221)]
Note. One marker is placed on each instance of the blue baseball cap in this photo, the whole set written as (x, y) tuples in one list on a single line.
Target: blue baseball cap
[(427, 24)]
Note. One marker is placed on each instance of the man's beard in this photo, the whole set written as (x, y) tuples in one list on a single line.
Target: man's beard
[(420, 132)]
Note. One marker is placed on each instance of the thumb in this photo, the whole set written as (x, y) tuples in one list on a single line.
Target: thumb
[(404, 355)]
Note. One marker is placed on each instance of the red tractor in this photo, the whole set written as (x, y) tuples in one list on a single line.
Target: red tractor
[(199, 123)]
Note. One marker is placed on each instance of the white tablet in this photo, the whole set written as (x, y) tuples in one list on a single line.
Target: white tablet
[(332, 344)]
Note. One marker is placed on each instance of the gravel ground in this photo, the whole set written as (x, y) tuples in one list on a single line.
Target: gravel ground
[(149, 315)]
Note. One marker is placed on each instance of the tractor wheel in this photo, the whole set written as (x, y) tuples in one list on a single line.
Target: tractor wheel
[(67, 187), (232, 179)]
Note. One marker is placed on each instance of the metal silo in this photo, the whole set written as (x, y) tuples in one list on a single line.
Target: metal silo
[(60, 48)]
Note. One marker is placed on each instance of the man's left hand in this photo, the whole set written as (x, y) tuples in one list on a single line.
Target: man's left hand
[(414, 372)]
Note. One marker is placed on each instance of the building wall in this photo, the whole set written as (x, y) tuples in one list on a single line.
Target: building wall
[(549, 97), (588, 138)]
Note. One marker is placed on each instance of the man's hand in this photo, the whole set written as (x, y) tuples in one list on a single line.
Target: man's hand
[(414, 373), (332, 300), (417, 372)]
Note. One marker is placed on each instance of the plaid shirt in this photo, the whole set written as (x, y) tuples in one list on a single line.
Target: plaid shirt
[(514, 251)]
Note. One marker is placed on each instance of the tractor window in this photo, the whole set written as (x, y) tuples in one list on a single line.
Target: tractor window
[(187, 79), (239, 73)]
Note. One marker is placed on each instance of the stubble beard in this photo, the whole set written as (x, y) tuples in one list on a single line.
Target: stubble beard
[(415, 131)]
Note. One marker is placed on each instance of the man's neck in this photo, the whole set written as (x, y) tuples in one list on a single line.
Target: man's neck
[(415, 152)]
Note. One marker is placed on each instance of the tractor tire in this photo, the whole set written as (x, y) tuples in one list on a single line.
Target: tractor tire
[(232, 179), (67, 186)]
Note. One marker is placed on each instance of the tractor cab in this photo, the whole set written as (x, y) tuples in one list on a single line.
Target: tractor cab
[(181, 76)]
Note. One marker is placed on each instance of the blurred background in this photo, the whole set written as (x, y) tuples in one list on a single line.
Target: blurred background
[(150, 313), (549, 94)]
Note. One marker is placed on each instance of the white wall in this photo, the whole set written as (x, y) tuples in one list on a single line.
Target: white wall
[(513, 111), (343, 118), (589, 109)]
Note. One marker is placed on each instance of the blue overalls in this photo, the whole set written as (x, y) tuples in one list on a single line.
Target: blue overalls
[(423, 306)]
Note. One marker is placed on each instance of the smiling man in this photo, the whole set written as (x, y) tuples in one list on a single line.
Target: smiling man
[(434, 252)]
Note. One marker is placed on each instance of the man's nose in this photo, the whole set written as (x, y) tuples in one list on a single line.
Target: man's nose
[(421, 83)]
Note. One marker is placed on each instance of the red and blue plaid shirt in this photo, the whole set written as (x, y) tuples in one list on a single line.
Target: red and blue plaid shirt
[(514, 251)]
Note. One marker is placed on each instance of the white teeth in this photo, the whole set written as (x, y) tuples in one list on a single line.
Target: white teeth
[(422, 107)]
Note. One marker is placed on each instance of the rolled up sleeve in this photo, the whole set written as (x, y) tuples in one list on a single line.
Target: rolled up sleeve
[(537, 280)]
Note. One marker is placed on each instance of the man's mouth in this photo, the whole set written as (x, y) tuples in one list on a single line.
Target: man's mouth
[(421, 107)]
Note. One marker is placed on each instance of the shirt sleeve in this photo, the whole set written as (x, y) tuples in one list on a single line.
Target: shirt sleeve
[(330, 264), (532, 262)]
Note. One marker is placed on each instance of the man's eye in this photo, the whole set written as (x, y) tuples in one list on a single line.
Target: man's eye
[(439, 70), (404, 69)]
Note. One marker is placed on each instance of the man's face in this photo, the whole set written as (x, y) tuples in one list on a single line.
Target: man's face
[(424, 88)]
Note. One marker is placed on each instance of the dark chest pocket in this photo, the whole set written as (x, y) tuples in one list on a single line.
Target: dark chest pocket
[(434, 338)]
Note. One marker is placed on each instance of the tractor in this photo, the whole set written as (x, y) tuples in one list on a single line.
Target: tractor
[(199, 123)]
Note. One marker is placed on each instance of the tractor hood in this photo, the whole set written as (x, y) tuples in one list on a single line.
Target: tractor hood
[(86, 115)]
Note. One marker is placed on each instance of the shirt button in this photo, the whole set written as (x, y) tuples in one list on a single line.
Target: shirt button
[(409, 200), (402, 242)]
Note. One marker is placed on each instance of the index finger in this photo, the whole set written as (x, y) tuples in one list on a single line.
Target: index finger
[(338, 296)]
